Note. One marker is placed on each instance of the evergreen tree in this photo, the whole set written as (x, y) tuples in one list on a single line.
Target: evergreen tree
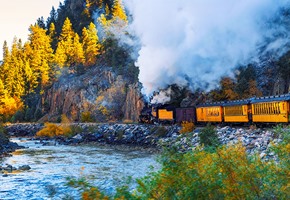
[(40, 22), (52, 17), (246, 82), (5, 50), (284, 71)]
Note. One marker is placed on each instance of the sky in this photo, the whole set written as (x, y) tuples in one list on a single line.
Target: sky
[(17, 15)]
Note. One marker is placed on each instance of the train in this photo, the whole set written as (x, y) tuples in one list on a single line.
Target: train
[(255, 110)]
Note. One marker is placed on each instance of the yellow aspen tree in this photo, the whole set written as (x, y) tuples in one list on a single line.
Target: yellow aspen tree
[(118, 11), (107, 10), (91, 44), (14, 78), (103, 21), (77, 56), (41, 54), (5, 51), (64, 51), (3, 92), (60, 56), (6, 60), (31, 81), (87, 7), (100, 4)]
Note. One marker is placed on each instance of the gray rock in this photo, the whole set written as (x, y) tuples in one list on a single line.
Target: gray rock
[(24, 168)]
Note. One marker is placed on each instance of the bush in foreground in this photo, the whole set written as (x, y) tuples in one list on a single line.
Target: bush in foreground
[(52, 130), (227, 173)]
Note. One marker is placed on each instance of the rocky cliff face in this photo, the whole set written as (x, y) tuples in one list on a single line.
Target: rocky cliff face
[(99, 93)]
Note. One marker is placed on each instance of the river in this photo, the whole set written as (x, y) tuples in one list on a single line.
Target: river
[(105, 167)]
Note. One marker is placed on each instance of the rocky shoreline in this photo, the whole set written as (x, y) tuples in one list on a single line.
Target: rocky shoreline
[(152, 137)]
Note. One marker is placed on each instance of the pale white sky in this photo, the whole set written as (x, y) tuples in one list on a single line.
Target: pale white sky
[(17, 15)]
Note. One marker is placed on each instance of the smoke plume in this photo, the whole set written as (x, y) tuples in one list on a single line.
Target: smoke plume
[(196, 42)]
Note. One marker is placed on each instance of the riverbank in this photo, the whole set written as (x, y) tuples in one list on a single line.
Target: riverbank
[(152, 137), (6, 146)]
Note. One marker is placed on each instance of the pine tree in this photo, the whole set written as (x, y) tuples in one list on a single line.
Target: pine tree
[(5, 51), (91, 44), (52, 17), (41, 23)]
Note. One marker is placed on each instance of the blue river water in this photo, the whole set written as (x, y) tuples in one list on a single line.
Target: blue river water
[(105, 167)]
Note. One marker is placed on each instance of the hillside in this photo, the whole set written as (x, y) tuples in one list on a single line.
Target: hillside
[(73, 64)]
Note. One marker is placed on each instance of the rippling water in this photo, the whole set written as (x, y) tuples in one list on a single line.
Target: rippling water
[(50, 166)]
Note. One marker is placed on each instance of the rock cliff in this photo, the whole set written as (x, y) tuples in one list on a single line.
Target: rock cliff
[(99, 93)]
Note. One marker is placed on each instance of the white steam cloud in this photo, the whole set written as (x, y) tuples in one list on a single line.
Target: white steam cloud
[(197, 41)]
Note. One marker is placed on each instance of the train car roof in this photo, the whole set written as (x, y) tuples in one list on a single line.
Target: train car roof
[(210, 104), (237, 102), (189, 107), (283, 97)]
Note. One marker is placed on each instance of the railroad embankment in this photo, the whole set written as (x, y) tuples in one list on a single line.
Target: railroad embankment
[(153, 136)]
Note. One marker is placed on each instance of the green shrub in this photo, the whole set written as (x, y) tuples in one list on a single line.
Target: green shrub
[(208, 137), (160, 131), (86, 117), (18, 116)]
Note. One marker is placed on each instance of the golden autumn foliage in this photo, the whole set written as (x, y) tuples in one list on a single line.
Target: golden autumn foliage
[(186, 127), (9, 106), (52, 130)]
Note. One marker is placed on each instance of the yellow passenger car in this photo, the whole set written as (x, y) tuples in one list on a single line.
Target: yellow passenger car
[(271, 109), (164, 114), (209, 113), (237, 111)]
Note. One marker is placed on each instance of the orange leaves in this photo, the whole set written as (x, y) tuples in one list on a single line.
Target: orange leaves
[(52, 130), (187, 127), (9, 106), (93, 194)]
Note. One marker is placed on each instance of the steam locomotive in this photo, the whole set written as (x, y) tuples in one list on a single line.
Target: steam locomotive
[(270, 109)]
